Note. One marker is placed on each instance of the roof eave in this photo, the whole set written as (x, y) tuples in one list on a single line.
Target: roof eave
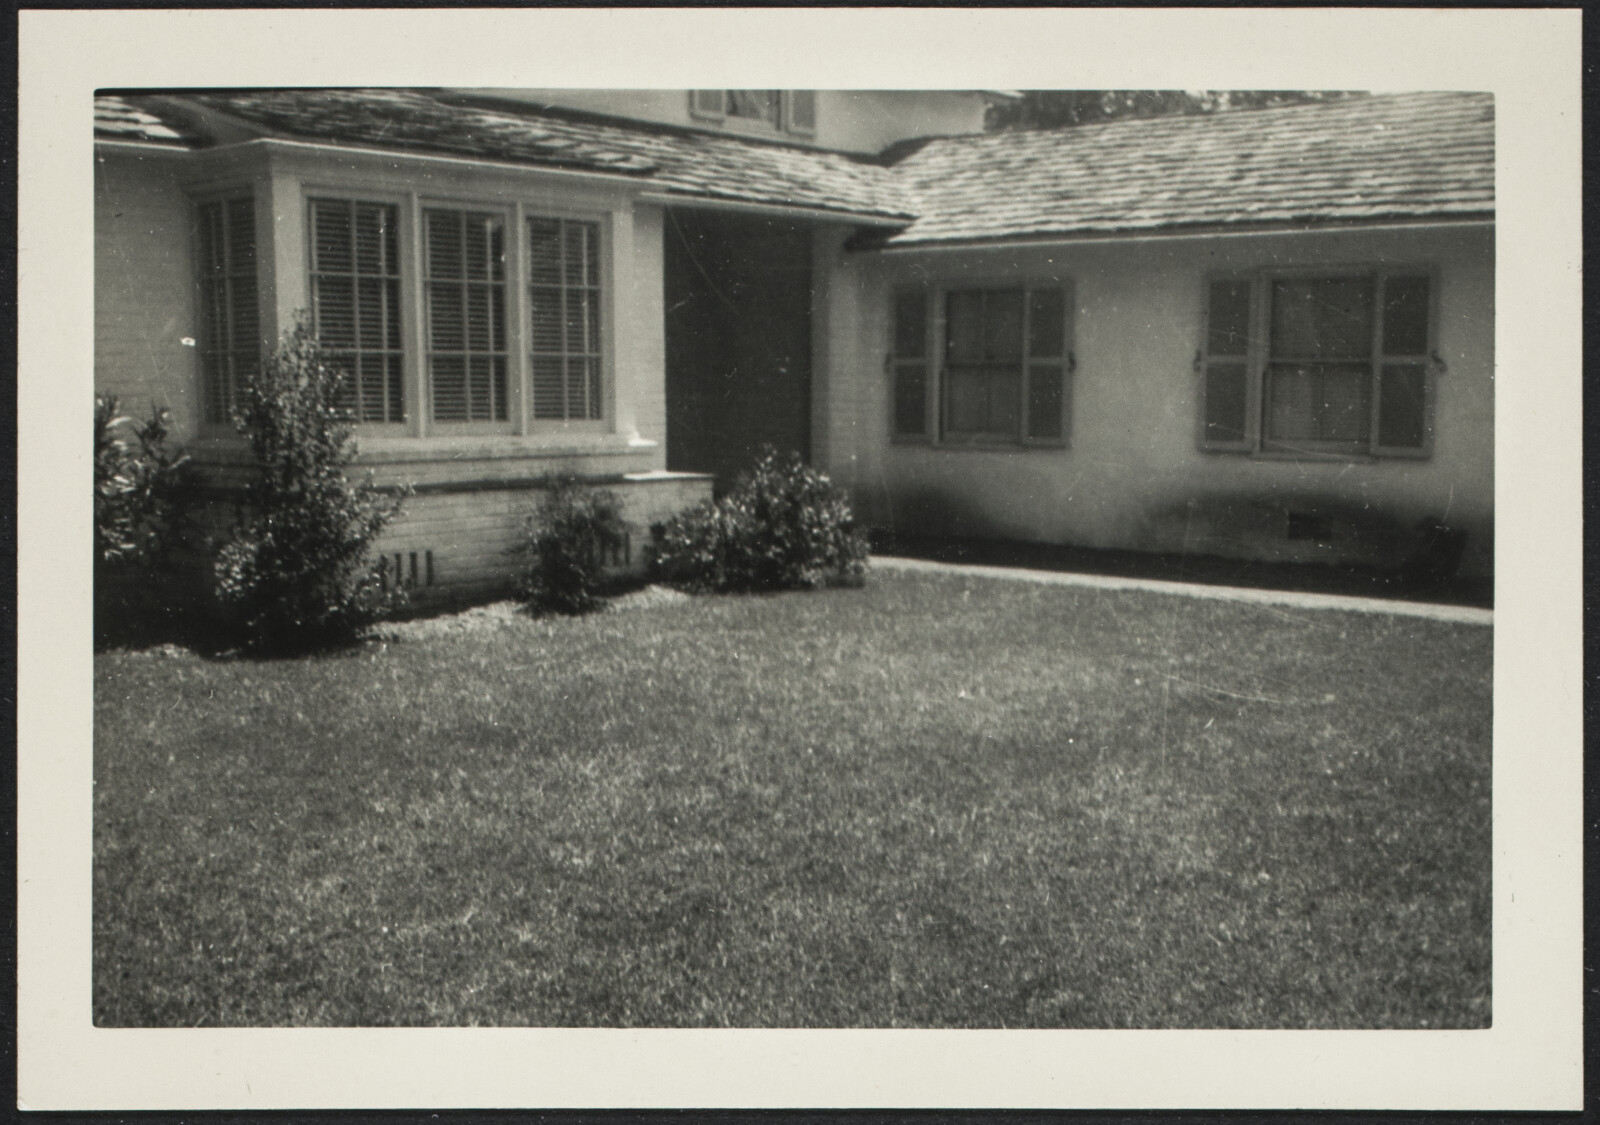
[(1214, 230)]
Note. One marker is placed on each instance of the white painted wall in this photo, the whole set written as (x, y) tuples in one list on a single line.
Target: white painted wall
[(1132, 476), (144, 286)]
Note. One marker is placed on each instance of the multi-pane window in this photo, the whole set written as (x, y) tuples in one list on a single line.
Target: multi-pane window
[(464, 272), (564, 304), (1000, 368), (355, 302), (1332, 363), (230, 311), (792, 110)]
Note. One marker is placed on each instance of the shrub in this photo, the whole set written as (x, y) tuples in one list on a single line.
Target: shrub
[(296, 572), (137, 486), (569, 536), (139, 513), (784, 526)]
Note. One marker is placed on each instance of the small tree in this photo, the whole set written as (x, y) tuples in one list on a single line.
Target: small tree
[(569, 536), (297, 572)]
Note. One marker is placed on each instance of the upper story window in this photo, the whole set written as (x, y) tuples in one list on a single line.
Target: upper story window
[(792, 111), (1329, 363), (230, 311), (989, 365)]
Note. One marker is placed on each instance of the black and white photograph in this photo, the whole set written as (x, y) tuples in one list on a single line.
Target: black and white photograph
[(825, 558)]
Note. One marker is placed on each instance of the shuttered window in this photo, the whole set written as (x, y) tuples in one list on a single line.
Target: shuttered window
[(564, 305), (355, 302), (230, 311), (1327, 363), (464, 275), (1006, 365), (793, 111)]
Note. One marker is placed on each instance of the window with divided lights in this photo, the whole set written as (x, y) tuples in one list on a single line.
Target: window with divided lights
[(564, 303), (794, 111), (464, 273), (355, 302), (1334, 363), (983, 365), (230, 313)]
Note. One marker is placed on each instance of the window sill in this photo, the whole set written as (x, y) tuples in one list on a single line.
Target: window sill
[(390, 450), (976, 445), (1322, 456)]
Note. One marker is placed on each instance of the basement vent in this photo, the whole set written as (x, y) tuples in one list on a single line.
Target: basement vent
[(1307, 525), (408, 570)]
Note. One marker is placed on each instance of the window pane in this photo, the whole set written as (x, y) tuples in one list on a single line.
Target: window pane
[(1005, 403), (1322, 318), (910, 323), (1044, 401), (245, 312), (911, 399), (1226, 394), (760, 105), (1002, 330), (964, 327), (450, 388), (1046, 324), (575, 253), (1405, 316), (1318, 402), (1345, 407), (334, 301), (549, 387), (1402, 406), (546, 316), (1291, 404), (371, 309), (1228, 318), (577, 387), (444, 244), (544, 245), (241, 236), (330, 220), (446, 316), (967, 394)]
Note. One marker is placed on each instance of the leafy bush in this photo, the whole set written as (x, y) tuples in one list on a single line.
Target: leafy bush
[(784, 526), (296, 572), (137, 485), (569, 536)]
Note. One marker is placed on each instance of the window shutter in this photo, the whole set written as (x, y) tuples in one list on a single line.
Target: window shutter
[(1403, 402), (706, 103), (1050, 364), (1225, 367), (908, 365), (802, 111)]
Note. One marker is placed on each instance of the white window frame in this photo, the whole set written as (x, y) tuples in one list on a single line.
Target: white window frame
[(712, 106), (1258, 360), (933, 360), (414, 309)]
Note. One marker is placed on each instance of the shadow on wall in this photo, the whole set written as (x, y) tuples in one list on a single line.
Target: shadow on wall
[(1301, 528)]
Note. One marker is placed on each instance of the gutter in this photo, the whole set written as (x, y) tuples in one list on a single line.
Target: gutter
[(714, 203), (1212, 232)]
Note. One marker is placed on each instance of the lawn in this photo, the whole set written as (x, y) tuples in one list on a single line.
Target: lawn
[(934, 802)]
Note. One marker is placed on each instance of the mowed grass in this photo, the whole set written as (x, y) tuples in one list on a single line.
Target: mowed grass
[(937, 801)]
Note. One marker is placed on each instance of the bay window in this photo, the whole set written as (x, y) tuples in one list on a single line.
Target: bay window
[(446, 319), (984, 365), (1334, 362)]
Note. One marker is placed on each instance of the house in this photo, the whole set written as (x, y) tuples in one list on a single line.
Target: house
[(1263, 334)]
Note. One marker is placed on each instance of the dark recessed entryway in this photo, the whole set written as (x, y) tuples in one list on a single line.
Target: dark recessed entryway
[(738, 346)]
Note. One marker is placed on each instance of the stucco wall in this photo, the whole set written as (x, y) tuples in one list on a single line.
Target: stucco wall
[(1132, 476), (144, 287)]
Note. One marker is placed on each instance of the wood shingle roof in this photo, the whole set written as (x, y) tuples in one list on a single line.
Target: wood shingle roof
[(1360, 158)]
